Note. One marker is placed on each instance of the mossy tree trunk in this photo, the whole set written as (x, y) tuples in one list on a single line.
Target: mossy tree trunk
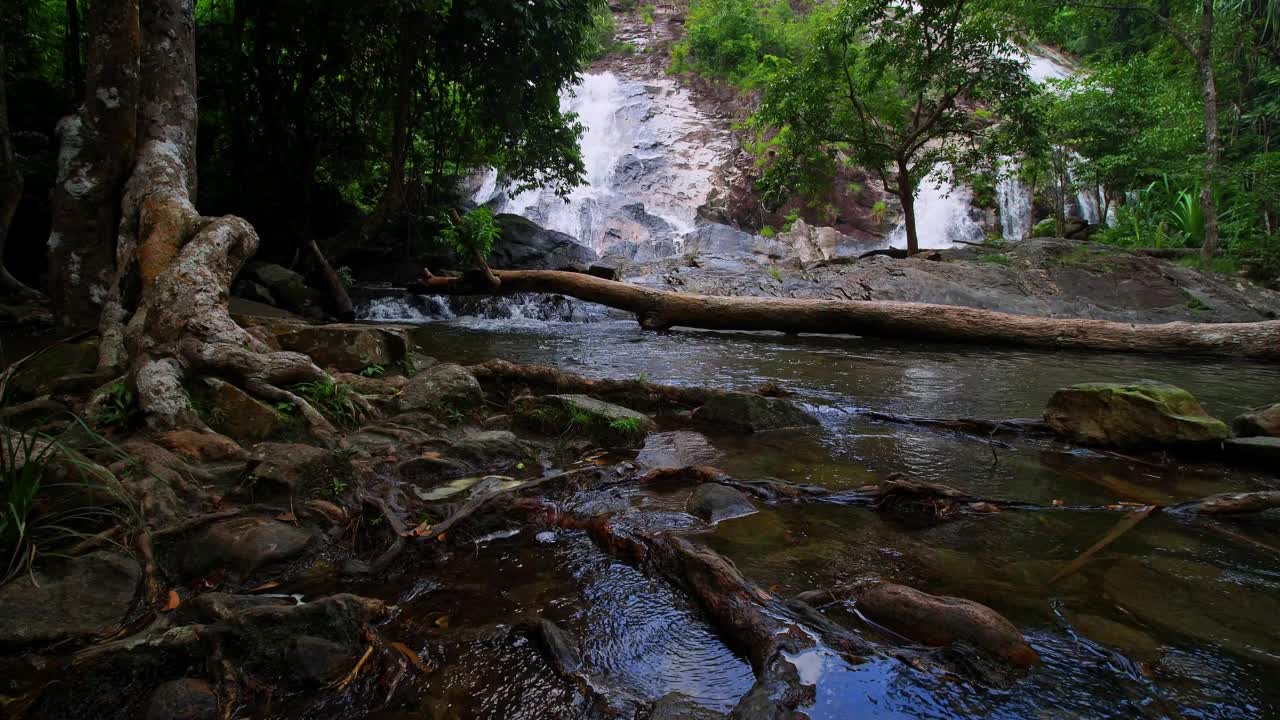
[(163, 319)]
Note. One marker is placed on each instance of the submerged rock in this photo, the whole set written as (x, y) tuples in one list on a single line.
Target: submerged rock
[(185, 699), (678, 449), (747, 412), (1264, 421), (678, 706), (89, 595), (939, 620), (241, 545), (1136, 415), (441, 386), (714, 502)]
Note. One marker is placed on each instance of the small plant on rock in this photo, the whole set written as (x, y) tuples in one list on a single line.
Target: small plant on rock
[(373, 371), (775, 273), (625, 426), (334, 400), (117, 407)]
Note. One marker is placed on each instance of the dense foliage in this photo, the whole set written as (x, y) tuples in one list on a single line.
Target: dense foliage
[(334, 120)]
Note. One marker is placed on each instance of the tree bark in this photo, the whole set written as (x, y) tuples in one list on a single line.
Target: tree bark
[(98, 147), (659, 310), (72, 70), (907, 193), (165, 318), (1212, 150)]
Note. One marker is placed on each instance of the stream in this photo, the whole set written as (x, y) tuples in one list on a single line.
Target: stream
[(1175, 619)]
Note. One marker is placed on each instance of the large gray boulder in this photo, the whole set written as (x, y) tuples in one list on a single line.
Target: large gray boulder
[(1145, 414), (748, 413), (89, 595), (525, 245), (441, 386), (714, 239)]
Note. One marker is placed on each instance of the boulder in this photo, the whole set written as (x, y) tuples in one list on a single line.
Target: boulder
[(1135, 415), (317, 661), (289, 469), (817, 244), (747, 412), (441, 386), (236, 414), (241, 545), (185, 699), (586, 416), (713, 239), (1254, 449), (678, 449), (41, 375), (344, 347), (525, 245), (1264, 421), (714, 502), (283, 287), (90, 595)]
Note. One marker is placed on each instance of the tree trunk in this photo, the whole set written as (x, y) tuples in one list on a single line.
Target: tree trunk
[(658, 310), (907, 194), (10, 189), (1211, 146), (97, 153), (165, 318), (72, 70)]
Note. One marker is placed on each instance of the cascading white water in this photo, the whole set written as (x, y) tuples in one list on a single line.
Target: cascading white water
[(650, 158), (1015, 205), (943, 215), (597, 102)]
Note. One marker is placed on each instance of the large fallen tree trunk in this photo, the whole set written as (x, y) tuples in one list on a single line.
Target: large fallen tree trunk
[(659, 310)]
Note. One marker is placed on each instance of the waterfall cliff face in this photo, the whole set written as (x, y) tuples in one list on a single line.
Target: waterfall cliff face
[(651, 161)]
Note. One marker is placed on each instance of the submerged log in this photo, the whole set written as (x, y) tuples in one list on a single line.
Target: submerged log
[(659, 310)]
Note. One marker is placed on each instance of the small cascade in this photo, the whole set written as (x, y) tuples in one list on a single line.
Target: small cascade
[(404, 308), (1015, 208), (944, 215), (417, 309)]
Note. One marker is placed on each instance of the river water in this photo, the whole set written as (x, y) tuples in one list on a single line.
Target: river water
[(1176, 619)]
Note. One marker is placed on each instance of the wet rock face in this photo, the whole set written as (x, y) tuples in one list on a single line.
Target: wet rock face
[(1138, 415), (714, 502), (526, 246), (678, 706), (723, 240), (746, 412), (344, 347), (1264, 421), (440, 386), (241, 545), (89, 595), (185, 699)]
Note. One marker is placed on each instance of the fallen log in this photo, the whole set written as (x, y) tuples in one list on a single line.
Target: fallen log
[(659, 310)]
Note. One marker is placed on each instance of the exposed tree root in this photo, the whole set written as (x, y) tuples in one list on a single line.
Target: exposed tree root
[(544, 379), (658, 310)]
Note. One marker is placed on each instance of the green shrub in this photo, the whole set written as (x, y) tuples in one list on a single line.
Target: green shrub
[(731, 39), (646, 14), (768, 231), (334, 400), (471, 235)]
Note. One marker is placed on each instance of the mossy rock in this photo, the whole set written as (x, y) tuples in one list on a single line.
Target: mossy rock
[(1145, 414), (582, 415), (41, 375)]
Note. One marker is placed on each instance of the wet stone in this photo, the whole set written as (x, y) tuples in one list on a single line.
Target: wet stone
[(714, 502), (747, 412), (185, 699), (678, 449), (1264, 421), (441, 386), (1258, 449), (678, 706), (289, 468), (1134, 415), (89, 595), (242, 545), (317, 661)]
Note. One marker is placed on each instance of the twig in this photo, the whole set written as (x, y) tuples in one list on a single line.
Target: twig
[(355, 671), (476, 502), (1120, 528)]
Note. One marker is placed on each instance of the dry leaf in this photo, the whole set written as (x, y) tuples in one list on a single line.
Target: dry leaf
[(287, 517), (1059, 502), (442, 621), (440, 537), (174, 601), (264, 586)]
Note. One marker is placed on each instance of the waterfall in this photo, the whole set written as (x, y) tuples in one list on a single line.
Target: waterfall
[(943, 215), (650, 158), (1014, 198)]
